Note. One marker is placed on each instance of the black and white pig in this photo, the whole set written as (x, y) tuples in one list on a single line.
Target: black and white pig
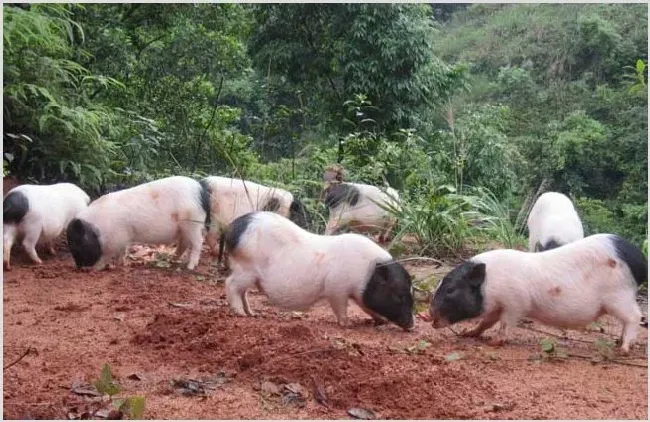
[(296, 268), (166, 211), (566, 287), (360, 207), (231, 198), (38, 214), (552, 222)]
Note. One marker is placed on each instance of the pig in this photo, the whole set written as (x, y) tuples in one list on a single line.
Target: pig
[(360, 207), (566, 287), (296, 268), (38, 214), (232, 198), (171, 210), (553, 222)]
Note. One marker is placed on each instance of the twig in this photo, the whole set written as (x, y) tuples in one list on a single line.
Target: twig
[(556, 335), (620, 362), (29, 349)]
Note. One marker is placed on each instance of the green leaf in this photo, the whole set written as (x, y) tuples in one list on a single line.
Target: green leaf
[(133, 407), (547, 345), (105, 383), (640, 66)]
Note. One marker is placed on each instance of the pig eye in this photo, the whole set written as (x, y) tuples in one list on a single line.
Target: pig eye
[(451, 290)]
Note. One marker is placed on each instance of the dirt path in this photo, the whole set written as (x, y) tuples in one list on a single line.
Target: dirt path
[(77, 321)]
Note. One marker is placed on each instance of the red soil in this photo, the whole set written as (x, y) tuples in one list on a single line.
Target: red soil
[(168, 323)]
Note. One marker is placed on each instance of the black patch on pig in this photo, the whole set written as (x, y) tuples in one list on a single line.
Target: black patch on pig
[(298, 214), (204, 198), (548, 245), (83, 243), (633, 257), (459, 295), (236, 230), (342, 192), (272, 205), (388, 293), (14, 207)]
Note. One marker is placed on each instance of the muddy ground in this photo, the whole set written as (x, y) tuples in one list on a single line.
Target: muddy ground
[(153, 324)]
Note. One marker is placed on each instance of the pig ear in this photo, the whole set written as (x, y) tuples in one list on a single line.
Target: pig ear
[(476, 274)]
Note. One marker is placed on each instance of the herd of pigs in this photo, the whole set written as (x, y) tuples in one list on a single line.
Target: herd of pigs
[(565, 280)]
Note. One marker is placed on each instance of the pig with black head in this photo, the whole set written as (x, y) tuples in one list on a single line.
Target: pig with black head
[(166, 211), (296, 268), (566, 287)]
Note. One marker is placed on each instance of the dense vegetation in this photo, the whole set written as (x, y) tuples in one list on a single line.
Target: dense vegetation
[(470, 111)]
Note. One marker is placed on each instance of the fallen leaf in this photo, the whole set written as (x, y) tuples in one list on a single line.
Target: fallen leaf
[(84, 390), (360, 413), (179, 305), (270, 388), (296, 388), (453, 356), (189, 387), (102, 413), (319, 392), (298, 315)]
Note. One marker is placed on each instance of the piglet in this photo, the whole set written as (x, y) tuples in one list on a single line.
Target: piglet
[(38, 214), (170, 210), (296, 268), (567, 287)]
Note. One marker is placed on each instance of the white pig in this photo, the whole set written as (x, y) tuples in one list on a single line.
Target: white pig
[(296, 268), (231, 198), (38, 214), (360, 207), (553, 222), (566, 287), (166, 211)]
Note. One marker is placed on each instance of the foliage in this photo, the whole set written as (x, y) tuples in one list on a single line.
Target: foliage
[(465, 109), (133, 406)]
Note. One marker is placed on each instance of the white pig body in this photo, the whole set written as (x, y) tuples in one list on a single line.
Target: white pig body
[(360, 207), (296, 268), (166, 211), (567, 287), (38, 214), (553, 222), (231, 198)]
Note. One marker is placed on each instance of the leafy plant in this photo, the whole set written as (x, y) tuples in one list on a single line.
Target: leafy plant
[(551, 350), (133, 406)]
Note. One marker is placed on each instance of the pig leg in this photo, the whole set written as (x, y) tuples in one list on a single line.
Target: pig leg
[(50, 247), (194, 235), (236, 286), (247, 306), (29, 243), (629, 313), (8, 241), (488, 321), (180, 249), (507, 320), (211, 240), (339, 305)]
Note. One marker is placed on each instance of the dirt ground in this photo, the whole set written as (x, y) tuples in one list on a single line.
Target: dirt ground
[(153, 324)]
